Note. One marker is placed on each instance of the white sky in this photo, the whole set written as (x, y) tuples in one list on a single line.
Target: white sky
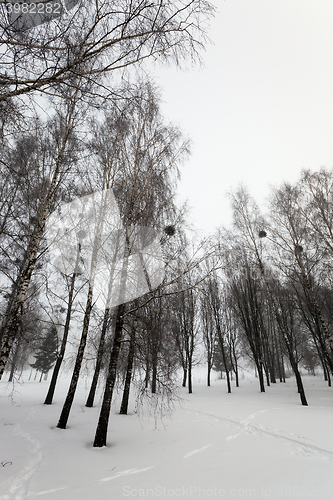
[(261, 109)]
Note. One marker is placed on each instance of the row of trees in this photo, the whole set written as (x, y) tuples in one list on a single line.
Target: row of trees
[(279, 276), (247, 299), (75, 121), (94, 246)]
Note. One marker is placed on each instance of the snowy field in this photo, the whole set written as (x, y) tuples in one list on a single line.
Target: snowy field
[(215, 445)]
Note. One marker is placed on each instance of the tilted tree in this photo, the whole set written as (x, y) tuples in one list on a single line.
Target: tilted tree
[(53, 152), (142, 176)]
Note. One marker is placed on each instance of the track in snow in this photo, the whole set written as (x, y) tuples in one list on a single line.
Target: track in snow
[(298, 444)]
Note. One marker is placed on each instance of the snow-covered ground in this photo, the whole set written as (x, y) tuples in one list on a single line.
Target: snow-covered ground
[(216, 445)]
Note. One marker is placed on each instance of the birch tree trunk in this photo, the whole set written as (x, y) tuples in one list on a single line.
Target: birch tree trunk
[(11, 322)]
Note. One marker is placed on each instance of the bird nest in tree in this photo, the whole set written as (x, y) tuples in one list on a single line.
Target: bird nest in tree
[(169, 230)]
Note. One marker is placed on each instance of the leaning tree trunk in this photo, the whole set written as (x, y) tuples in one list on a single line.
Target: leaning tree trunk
[(328, 375), (184, 377), (103, 422), (294, 365), (50, 394), (299, 382), (236, 374), (300, 387), (11, 322), (285, 336), (92, 392), (130, 359), (79, 357), (76, 372), (261, 376)]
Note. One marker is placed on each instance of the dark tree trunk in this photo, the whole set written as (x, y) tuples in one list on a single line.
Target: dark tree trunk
[(155, 346), (324, 369), (103, 422), (237, 377), (92, 392), (76, 373), (154, 357), (147, 374), (300, 386), (184, 377), (190, 376), (266, 358), (224, 360), (299, 381), (324, 357), (86, 320), (260, 375), (208, 373), (154, 377), (235, 364), (130, 359), (292, 359), (329, 378), (228, 381), (56, 369), (278, 357)]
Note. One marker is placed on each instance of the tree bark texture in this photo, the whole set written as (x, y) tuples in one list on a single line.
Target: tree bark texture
[(130, 359), (103, 422)]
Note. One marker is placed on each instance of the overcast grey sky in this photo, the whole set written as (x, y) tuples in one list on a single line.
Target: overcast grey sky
[(262, 107)]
